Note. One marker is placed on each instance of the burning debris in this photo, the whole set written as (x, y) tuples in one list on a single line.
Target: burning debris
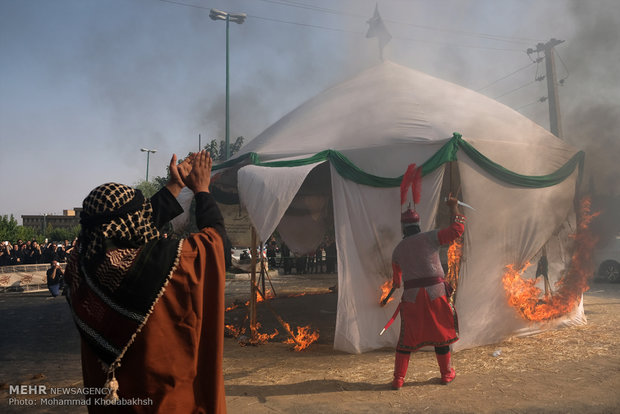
[(303, 339), (524, 296)]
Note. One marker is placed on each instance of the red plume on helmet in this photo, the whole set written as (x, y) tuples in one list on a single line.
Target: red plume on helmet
[(411, 179)]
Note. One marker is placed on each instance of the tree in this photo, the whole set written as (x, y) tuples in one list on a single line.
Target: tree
[(218, 152), (61, 234), (8, 228), (149, 188)]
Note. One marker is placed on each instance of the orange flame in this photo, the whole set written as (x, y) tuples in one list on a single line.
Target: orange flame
[(304, 337), (262, 338), (525, 297), (385, 290), (455, 252), (234, 331)]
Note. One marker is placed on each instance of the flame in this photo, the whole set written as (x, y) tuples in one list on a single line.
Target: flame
[(304, 337), (385, 290), (234, 331), (525, 297), (262, 338), (455, 252)]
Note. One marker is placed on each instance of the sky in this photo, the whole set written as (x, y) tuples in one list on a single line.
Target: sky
[(85, 84)]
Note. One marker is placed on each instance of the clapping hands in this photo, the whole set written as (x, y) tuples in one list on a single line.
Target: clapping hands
[(193, 172)]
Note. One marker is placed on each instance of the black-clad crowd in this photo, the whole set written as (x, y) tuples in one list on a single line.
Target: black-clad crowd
[(323, 260), (31, 252)]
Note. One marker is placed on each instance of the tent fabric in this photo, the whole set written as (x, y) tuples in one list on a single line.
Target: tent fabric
[(510, 226), (520, 178), (269, 191), (447, 153), (365, 257)]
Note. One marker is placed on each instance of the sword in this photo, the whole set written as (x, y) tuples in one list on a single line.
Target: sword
[(391, 321), (460, 203)]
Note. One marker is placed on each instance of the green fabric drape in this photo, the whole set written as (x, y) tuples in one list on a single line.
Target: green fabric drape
[(448, 152)]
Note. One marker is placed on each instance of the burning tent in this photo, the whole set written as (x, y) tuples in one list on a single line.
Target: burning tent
[(337, 160)]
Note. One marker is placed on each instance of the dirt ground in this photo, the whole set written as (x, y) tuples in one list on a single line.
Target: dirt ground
[(571, 370)]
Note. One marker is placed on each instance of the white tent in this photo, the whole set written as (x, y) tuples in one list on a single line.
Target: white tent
[(339, 157)]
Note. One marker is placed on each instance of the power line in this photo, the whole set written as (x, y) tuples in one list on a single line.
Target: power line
[(178, 3), (506, 76), (305, 24), (501, 38), (514, 90), (337, 12), (438, 42), (539, 100)]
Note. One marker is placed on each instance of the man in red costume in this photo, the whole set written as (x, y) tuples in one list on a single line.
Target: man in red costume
[(149, 308), (427, 316)]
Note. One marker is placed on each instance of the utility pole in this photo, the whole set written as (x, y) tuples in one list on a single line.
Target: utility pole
[(555, 123)]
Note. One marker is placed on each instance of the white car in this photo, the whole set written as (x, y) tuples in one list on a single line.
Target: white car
[(607, 260)]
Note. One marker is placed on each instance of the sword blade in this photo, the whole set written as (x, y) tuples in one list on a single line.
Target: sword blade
[(460, 203)]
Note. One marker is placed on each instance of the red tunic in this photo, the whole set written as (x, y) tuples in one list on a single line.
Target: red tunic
[(176, 359), (427, 316)]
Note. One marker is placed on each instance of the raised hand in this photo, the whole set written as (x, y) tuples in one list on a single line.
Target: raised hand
[(199, 178), (175, 184)]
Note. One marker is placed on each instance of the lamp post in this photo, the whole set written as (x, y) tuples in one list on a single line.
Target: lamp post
[(148, 154), (238, 18)]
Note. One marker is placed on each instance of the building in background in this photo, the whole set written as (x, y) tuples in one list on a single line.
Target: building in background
[(68, 219)]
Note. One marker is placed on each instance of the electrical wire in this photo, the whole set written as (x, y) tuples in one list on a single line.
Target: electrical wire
[(514, 90), (501, 38), (529, 104), (337, 12), (506, 76), (563, 65)]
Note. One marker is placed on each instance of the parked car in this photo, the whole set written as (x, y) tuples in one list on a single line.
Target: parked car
[(607, 260)]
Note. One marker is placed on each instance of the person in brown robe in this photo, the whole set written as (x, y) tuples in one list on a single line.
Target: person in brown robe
[(150, 310)]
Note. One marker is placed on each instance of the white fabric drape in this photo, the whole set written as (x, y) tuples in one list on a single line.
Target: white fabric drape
[(510, 225), (367, 230), (269, 191)]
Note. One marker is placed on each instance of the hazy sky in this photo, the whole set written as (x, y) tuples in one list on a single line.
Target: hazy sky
[(84, 84)]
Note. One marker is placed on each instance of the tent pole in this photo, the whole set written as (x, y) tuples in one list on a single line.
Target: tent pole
[(262, 268), (450, 172), (253, 286)]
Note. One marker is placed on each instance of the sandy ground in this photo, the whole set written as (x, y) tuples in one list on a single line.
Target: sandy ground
[(572, 370)]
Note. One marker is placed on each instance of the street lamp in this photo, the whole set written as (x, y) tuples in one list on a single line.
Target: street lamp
[(148, 154), (238, 18)]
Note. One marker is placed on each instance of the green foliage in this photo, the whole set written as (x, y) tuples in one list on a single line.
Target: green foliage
[(218, 152), (11, 231), (8, 228), (27, 233), (61, 234), (148, 188)]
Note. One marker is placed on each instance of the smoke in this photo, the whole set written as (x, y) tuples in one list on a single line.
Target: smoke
[(590, 120)]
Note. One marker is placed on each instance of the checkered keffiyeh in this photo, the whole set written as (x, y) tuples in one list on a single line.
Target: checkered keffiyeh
[(117, 212), (119, 271)]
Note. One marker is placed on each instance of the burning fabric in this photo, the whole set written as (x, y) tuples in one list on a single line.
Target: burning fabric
[(526, 298)]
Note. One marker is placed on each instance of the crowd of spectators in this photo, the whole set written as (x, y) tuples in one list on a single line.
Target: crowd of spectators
[(323, 260), (31, 252)]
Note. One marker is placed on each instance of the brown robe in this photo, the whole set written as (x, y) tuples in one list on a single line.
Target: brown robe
[(176, 359)]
